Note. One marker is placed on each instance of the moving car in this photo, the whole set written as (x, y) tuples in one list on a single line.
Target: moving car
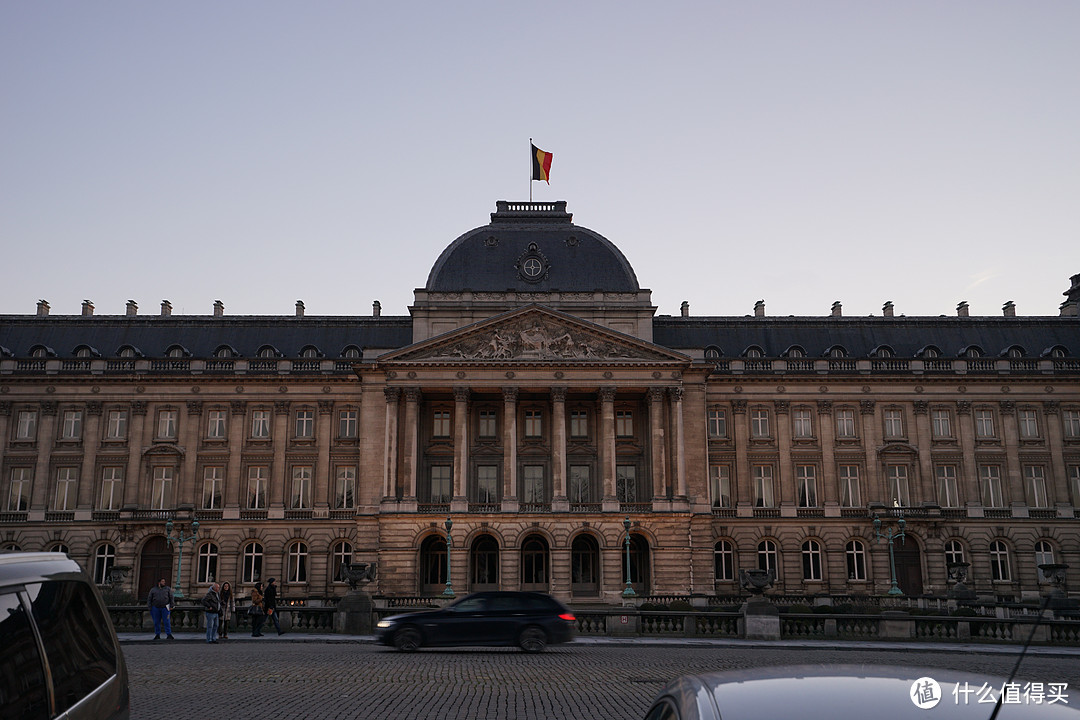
[(532, 621), (60, 657), (828, 692)]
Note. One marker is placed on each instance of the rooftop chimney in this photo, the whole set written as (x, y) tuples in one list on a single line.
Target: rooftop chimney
[(219, 308), (87, 308), (759, 308), (132, 307), (42, 308), (837, 309), (299, 308), (685, 308), (1009, 309), (887, 309), (962, 309), (376, 309), (166, 308), (1072, 298)]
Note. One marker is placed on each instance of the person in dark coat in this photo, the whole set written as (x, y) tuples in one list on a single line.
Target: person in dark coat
[(270, 603), (258, 612)]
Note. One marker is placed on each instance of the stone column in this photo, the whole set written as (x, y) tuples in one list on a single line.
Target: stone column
[(136, 441), (1012, 486), (233, 492), (324, 480), (390, 452), (412, 441), (657, 446), (785, 487), (676, 395), (871, 437), (969, 471), (46, 438), (509, 428), (607, 443), (558, 444), (925, 483), (744, 494), (188, 490), (827, 433), (459, 500), (1058, 487), (281, 442), (91, 439), (5, 431)]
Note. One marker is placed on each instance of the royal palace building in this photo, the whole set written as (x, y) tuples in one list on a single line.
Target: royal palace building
[(533, 397)]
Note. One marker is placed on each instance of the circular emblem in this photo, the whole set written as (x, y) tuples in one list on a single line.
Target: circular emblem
[(925, 693), (532, 267)]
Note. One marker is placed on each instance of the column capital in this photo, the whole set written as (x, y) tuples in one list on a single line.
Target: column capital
[(738, 407), (607, 394), (558, 394), (1008, 407), (866, 407), (782, 406), (824, 407), (238, 407), (326, 407), (1051, 407), (412, 395), (675, 393), (281, 407), (963, 407), (510, 394), (93, 407), (461, 394), (392, 395), (194, 407), (48, 407), (656, 394), (5, 408), (138, 407), (921, 406)]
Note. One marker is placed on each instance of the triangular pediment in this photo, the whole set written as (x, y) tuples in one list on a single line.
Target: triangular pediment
[(534, 334)]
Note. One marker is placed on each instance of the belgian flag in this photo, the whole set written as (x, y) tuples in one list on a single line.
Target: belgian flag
[(541, 164)]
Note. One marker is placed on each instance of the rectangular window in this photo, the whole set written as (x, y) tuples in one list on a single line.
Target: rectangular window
[(579, 423), (440, 424), (301, 487), (347, 424), (67, 481), (990, 479), (166, 429), (26, 429), (116, 428), (487, 484), (1035, 479), (213, 477), (717, 421), (626, 483), (580, 486), (305, 423), (894, 423), (18, 499), (984, 424), (763, 485), (941, 423), (533, 487), (897, 478), (849, 486), (845, 424), (162, 488), (71, 429), (946, 486), (1074, 483), (533, 424), (215, 424), (112, 483), (345, 491), (720, 485), (624, 424), (260, 424), (802, 424), (759, 423), (440, 483), (1070, 423), (257, 479), (1028, 422), (487, 427), (806, 485)]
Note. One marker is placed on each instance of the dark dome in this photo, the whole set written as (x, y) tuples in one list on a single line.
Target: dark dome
[(531, 247)]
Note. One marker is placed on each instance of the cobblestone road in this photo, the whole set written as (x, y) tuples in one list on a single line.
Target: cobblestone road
[(337, 680)]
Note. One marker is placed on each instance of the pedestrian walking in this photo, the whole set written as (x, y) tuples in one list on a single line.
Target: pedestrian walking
[(211, 603), (270, 604), (228, 607), (160, 602), (256, 611)]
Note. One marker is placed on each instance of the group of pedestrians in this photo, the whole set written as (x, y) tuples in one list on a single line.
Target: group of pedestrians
[(219, 605)]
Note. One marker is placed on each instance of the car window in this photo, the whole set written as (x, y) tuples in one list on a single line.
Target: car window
[(77, 641), (663, 710), (22, 676), (507, 603), (469, 604)]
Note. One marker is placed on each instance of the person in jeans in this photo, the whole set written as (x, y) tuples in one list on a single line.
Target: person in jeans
[(211, 603), (270, 603), (160, 602), (259, 616), (228, 607)]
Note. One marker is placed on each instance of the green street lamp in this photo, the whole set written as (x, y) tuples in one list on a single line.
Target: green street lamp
[(179, 540), (629, 591), (890, 537), (449, 591)]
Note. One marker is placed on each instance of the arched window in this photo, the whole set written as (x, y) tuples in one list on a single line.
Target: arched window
[(723, 561), (340, 556), (267, 351), (126, 352), (766, 556), (534, 564), (433, 565), (208, 557), (1016, 352), (39, 351), (811, 560), (584, 566), (83, 352), (883, 351), (253, 560), (175, 351), (973, 351), (712, 353), (1058, 352), (224, 352), (1044, 555), (104, 559), (298, 563), (639, 565), (60, 548), (753, 352), (351, 353), (310, 352), (795, 352), (999, 561), (484, 561), (837, 351), (10, 548), (855, 551)]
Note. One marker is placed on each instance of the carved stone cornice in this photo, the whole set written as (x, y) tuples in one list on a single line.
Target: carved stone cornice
[(921, 407), (866, 407), (558, 394), (824, 407), (93, 408), (392, 395), (281, 407), (510, 394), (963, 407), (194, 407), (738, 407)]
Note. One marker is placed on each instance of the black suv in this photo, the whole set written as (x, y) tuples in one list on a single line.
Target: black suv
[(59, 657), (532, 621)]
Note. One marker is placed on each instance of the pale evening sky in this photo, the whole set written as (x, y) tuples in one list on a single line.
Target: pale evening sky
[(262, 152)]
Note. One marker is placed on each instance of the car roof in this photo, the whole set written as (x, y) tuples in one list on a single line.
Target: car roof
[(29, 567)]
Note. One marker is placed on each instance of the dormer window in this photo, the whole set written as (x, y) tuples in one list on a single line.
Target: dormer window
[(1016, 352), (309, 352), (837, 351), (753, 352), (39, 352), (883, 352), (84, 352), (175, 352), (224, 352), (351, 353), (973, 352), (126, 352), (712, 353), (267, 352), (796, 352)]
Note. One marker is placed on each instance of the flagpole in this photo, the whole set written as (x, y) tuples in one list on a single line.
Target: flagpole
[(530, 171)]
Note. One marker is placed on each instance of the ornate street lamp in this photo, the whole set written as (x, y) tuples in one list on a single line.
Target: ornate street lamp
[(629, 591), (449, 591), (890, 537), (179, 540)]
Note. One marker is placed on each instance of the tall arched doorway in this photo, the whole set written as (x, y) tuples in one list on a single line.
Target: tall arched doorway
[(584, 567), (484, 564), (639, 565), (534, 564), (156, 562), (908, 567), (433, 565)]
